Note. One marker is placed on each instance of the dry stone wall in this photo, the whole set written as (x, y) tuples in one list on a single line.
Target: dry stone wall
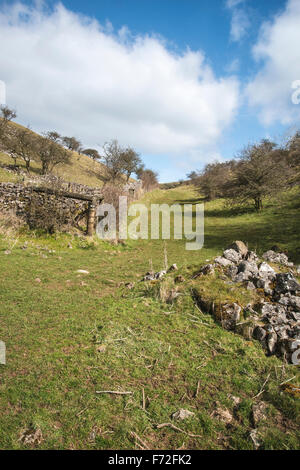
[(16, 198)]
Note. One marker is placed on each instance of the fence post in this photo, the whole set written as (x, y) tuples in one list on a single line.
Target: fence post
[(91, 218)]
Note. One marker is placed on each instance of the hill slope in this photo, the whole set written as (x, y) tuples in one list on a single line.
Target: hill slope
[(82, 169)]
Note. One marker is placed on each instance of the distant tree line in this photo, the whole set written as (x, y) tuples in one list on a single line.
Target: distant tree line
[(51, 149), (260, 170)]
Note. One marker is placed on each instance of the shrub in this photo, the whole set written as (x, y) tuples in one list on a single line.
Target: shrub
[(44, 213)]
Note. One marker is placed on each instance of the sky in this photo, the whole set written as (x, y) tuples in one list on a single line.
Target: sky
[(184, 82)]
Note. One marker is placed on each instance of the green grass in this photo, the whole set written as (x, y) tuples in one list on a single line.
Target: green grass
[(73, 334)]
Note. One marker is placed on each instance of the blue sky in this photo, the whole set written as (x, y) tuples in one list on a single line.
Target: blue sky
[(183, 81)]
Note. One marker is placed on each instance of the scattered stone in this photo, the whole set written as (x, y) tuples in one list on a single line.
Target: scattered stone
[(232, 271), (290, 301), (271, 342), (285, 282), (173, 268), (179, 279), (129, 285), (259, 333), (250, 285), (223, 415), (38, 280), (245, 329), (31, 437), (182, 414), (204, 271), (278, 258), (236, 400), (266, 270), (7, 252), (240, 248), (258, 412), (255, 439), (241, 277), (150, 276), (223, 261), (275, 319), (248, 266), (232, 255), (160, 274), (252, 256), (230, 315)]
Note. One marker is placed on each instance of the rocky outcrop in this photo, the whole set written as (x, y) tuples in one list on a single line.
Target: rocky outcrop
[(275, 320)]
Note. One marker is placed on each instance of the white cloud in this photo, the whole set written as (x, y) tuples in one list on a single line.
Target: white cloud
[(239, 22), (66, 72), (278, 50)]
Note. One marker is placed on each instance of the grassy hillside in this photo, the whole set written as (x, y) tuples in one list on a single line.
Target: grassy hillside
[(69, 335), (82, 169)]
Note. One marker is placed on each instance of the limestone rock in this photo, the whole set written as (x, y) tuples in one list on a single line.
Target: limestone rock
[(258, 412), (265, 270), (182, 414), (285, 282), (232, 255), (279, 258), (230, 315), (259, 333), (240, 248), (223, 261), (173, 268), (248, 266), (222, 414)]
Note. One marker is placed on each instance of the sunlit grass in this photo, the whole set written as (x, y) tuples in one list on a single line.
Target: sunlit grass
[(69, 335)]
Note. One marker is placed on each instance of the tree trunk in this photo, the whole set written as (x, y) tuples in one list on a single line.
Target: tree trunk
[(258, 204)]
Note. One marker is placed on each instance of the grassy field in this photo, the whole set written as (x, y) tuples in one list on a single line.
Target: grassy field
[(69, 335)]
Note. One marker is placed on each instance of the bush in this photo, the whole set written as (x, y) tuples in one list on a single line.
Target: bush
[(44, 213)]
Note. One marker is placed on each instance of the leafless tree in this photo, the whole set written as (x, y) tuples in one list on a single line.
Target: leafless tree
[(261, 171), (51, 153), (71, 143)]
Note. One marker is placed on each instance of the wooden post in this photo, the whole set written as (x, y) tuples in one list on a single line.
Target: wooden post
[(91, 219)]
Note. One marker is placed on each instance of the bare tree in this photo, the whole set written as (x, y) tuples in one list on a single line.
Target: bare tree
[(24, 145), (92, 153), (51, 153), (6, 116), (293, 157), (149, 179), (71, 143), (113, 161), (212, 179), (261, 171), (131, 161)]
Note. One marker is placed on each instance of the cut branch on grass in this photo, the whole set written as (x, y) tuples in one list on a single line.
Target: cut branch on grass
[(262, 388), (145, 446)]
